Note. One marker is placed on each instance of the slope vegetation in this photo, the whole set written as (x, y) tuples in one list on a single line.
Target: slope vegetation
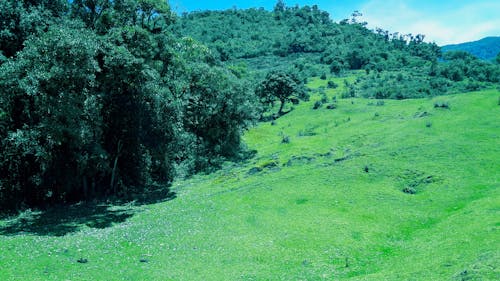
[(369, 190), (487, 48)]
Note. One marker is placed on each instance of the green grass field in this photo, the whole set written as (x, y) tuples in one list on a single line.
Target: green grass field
[(394, 191)]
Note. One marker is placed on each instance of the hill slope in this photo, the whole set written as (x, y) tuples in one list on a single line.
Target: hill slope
[(486, 48), (325, 204)]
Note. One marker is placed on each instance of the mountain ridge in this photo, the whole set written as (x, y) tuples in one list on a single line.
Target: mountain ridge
[(485, 49)]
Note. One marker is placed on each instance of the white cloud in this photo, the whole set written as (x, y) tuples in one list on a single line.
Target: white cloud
[(444, 26)]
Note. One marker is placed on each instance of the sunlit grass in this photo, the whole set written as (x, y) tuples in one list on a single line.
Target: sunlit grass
[(328, 205)]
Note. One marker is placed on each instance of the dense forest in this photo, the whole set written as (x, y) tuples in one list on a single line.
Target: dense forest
[(100, 100), (115, 97), (305, 41)]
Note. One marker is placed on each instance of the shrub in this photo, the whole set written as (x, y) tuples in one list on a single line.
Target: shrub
[(409, 190), (317, 105), (442, 104), (331, 106), (324, 98), (473, 86), (332, 85)]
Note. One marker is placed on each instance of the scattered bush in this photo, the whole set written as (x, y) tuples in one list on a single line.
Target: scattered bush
[(409, 190), (254, 170), (285, 139), (317, 105), (331, 106), (324, 97), (307, 132), (442, 104), (332, 85)]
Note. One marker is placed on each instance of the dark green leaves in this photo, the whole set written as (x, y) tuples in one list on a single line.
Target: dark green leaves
[(280, 86)]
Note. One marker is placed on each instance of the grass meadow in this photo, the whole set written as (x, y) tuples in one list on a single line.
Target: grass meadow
[(368, 190)]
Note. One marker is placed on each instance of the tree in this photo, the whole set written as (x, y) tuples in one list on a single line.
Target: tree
[(280, 86), (107, 100), (280, 6), (49, 96)]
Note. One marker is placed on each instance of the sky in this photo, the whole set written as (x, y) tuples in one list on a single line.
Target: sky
[(441, 21)]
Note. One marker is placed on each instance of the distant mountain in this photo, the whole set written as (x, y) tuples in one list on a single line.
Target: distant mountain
[(486, 48)]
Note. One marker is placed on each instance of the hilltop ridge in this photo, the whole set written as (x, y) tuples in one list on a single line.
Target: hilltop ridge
[(486, 49)]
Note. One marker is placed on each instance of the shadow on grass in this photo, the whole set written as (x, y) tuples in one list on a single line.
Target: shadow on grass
[(62, 220)]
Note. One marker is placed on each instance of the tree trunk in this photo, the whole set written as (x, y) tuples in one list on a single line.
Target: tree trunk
[(280, 112), (85, 188), (115, 166)]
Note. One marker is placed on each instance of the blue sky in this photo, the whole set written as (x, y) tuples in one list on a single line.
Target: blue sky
[(442, 21)]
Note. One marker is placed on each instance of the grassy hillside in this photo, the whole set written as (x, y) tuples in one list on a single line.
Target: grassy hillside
[(486, 48), (371, 190)]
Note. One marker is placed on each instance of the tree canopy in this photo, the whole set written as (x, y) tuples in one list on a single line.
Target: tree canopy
[(104, 99)]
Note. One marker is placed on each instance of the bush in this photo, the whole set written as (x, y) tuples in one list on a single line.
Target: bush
[(285, 139), (317, 105), (409, 190), (442, 104), (324, 97), (332, 85), (473, 86)]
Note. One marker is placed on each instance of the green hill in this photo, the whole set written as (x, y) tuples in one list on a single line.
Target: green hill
[(240, 145), (486, 49), (387, 190), (304, 38)]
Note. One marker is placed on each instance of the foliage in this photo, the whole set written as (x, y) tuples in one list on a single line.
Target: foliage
[(282, 87), (304, 40), (484, 49), (294, 33), (105, 100), (109, 98)]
